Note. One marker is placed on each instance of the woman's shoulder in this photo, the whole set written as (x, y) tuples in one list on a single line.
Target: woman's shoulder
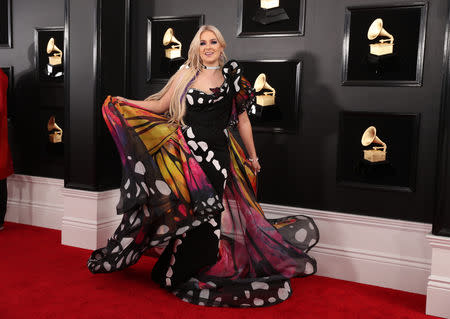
[(180, 74), (182, 71)]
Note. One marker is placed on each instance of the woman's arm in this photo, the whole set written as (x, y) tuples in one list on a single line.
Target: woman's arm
[(161, 105), (156, 106), (245, 130)]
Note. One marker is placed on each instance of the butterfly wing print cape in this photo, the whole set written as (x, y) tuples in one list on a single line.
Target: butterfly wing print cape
[(165, 193)]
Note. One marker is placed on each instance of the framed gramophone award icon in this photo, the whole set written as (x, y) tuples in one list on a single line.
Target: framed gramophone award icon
[(5, 24), (271, 18), (378, 150), (384, 45), (49, 58), (54, 131), (168, 40), (277, 89)]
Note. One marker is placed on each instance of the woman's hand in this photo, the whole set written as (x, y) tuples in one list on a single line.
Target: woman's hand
[(121, 98), (255, 165)]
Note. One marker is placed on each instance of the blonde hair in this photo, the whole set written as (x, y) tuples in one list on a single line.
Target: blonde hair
[(186, 75)]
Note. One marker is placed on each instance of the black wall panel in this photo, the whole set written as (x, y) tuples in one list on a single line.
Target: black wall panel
[(32, 104), (441, 222), (97, 42), (112, 80), (80, 171), (300, 169)]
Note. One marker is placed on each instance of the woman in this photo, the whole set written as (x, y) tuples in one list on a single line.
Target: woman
[(187, 188)]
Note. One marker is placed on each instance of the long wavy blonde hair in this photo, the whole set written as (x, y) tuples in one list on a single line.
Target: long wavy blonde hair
[(193, 66)]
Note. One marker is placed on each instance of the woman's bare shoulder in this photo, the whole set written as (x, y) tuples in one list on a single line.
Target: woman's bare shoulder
[(182, 71)]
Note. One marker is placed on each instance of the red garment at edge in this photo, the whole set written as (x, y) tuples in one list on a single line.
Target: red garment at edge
[(6, 165)]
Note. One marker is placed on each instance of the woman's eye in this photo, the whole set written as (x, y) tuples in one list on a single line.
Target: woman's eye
[(214, 42), (202, 43)]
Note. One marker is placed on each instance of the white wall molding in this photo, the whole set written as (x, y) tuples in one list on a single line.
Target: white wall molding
[(36, 201), (86, 219), (439, 242), (280, 211), (378, 251), (438, 289), (82, 194), (439, 282), (36, 180), (90, 224), (89, 217), (375, 256), (371, 250)]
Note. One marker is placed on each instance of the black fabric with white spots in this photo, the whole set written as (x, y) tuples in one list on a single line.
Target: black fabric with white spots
[(205, 131), (191, 192)]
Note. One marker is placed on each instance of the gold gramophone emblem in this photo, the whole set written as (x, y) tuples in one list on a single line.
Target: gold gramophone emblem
[(384, 46), (267, 98), (56, 58), (269, 12), (55, 132), (377, 153), (174, 51), (270, 4)]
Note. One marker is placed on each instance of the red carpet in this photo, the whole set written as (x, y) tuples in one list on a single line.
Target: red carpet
[(40, 278)]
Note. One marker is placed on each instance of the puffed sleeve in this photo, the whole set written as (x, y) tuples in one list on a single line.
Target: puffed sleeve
[(243, 93)]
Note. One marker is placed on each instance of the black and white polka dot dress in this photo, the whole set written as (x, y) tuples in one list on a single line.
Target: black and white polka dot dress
[(190, 192), (205, 131)]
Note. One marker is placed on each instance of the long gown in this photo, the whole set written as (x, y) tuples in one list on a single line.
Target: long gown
[(190, 192)]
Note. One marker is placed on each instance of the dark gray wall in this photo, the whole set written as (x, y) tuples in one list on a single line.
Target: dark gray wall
[(111, 80), (441, 221), (28, 134), (97, 67), (81, 155), (300, 170), (26, 16), (139, 11)]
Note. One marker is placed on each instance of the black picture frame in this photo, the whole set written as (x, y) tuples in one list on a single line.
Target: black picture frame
[(41, 37), (284, 76), (256, 22), (404, 66), (159, 67), (5, 24), (400, 131), (9, 71)]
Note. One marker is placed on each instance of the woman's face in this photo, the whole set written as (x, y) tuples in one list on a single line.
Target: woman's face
[(210, 48)]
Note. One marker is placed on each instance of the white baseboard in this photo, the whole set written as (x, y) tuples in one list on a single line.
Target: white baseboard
[(35, 201), (86, 219), (89, 217), (378, 251), (438, 290)]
